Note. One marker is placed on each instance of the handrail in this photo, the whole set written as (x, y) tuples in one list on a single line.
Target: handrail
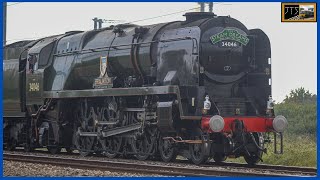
[(99, 49)]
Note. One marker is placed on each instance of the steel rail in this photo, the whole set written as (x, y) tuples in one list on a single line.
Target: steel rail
[(288, 169), (136, 168)]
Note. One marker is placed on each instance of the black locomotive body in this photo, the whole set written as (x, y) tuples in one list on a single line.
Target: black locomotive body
[(200, 88)]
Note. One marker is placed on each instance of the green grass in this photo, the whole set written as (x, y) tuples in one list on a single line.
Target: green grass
[(298, 151)]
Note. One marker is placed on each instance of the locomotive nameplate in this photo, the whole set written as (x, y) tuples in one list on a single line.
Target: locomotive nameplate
[(229, 34)]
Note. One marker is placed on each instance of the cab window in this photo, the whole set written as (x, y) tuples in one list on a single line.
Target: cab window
[(33, 62)]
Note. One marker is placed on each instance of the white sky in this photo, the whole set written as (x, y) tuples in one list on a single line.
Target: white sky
[(294, 45)]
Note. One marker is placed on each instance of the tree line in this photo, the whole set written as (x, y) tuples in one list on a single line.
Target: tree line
[(300, 109)]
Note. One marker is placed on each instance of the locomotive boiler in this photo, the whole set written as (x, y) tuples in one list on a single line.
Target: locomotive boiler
[(200, 88)]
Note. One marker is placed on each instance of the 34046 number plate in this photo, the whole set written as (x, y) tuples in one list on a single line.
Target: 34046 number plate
[(229, 44)]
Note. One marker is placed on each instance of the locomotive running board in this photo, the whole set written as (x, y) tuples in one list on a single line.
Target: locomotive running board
[(134, 91), (114, 131)]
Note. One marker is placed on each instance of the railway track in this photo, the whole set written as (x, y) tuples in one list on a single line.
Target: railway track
[(144, 168), (274, 168)]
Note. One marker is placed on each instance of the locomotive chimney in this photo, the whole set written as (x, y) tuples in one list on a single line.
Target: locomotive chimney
[(194, 16), (95, 21)]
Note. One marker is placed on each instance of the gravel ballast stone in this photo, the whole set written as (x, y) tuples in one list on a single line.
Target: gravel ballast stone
[(13, 168)]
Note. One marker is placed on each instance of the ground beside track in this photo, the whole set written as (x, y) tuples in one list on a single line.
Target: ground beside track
[(12, 168)]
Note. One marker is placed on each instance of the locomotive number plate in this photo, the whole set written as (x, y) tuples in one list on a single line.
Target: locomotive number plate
[(229, 44), (34, 87)]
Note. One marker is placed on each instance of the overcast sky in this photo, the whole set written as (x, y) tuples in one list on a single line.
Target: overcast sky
[(294, 45)]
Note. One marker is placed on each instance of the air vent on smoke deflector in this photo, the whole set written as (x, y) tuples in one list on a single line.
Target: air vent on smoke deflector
[(193, 16)]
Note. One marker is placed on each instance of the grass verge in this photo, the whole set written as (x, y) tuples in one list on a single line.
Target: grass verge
[(298, 151)]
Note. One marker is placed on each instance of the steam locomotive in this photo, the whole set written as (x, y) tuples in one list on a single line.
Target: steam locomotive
[(199, 88)]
